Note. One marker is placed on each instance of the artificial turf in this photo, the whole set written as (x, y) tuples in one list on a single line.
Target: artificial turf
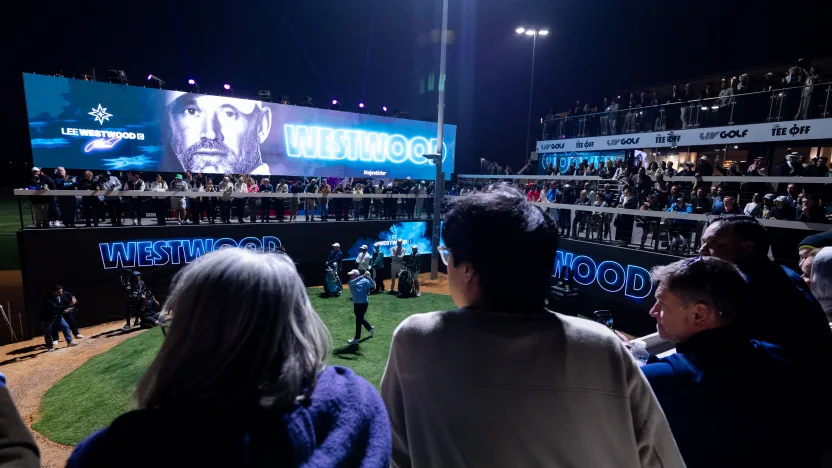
[(93, 395)]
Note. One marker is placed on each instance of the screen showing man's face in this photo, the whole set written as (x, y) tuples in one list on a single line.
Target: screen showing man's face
[(216, 134)]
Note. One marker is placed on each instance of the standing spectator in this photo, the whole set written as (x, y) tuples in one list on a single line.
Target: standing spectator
[(580, 218), (812, 78), (358, 201), (309, 210), (362, 261), (670, 172), (90, 203), (726, 103), (67, 206), (624, 223), (160, 203), (360, 288), (419, 190), (254, 387), (502, 321), (397, 254), (323, 205), (755, 207), (240, 202), (673, 108), (688, 105), (210, 203), (280, 202), (265, 202), (377, 264), (111, 183), (613, 116), (713, 388), (791, 166), (337, 203), (227, 188), (197, 202), (51, 317), (178, 203), (135, 204), (296, 189), (40, 203), (550, 170), (680, 229), (650, 224), (251, 187)]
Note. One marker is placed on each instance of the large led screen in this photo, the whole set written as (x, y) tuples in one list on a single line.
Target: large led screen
[(89, 125)]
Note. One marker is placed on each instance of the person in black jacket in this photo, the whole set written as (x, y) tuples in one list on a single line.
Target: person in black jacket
[(51, 316), (40, 203), (66, 205), (90, 203), (414, 264)]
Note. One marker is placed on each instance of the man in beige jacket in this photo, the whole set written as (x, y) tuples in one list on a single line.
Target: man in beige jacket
[(502, 382)]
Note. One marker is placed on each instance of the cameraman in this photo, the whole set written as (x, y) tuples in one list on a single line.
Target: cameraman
[(136, 293), (148, 315), (51, 316)]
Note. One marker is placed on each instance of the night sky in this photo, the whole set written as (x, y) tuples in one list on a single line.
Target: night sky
[(378, 51)]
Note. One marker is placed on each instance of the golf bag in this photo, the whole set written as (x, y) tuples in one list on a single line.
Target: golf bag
[(405, 282), (332, 283)]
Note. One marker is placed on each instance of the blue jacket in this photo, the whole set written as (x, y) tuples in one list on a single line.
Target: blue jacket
[(734, 402), (360, 288), (343, 423), (335, 257)]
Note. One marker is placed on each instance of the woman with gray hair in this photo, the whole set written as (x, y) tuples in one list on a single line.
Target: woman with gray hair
[(821, 280), (240, 380)]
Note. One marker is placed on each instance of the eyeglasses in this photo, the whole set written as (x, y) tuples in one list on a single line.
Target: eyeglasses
[(444, 254)]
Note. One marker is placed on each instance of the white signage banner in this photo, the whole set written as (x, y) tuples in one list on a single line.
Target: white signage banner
[(735, 134)]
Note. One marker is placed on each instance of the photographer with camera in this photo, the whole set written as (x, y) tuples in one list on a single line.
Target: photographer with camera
[(148, 317), (52, 316), (136, 293)]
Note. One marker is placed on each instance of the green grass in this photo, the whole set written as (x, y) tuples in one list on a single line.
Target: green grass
[(9, 224), (97, 392)]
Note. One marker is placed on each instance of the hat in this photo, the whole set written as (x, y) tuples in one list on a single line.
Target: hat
[(399, 241), (414, 247), (178, 176), (35, 169), (363, 247), (770, 196), (794, 153), (137, 273), (704, 157), (354, 272), (781, 198), (421, 181), (816, 241), (336, 245)]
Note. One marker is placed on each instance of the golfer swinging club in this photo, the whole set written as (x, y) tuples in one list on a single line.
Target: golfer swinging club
[(360, 287)]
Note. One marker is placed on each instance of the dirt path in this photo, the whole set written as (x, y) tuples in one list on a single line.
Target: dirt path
[(30, 372)]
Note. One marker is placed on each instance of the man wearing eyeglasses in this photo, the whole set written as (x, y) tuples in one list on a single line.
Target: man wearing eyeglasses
[(730, 401), (504, 382)]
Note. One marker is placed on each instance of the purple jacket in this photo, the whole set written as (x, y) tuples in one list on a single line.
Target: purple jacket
[(344, 423)]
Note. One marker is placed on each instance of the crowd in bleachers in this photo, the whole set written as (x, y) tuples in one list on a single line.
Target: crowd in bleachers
[(801, 93), (195, 208)]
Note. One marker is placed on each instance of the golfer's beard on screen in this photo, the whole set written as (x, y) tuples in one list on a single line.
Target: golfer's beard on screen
[(214, 157)]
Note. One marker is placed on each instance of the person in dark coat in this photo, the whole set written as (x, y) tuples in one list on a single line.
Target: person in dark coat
[(731, 401), (17, 446), (254, 390)]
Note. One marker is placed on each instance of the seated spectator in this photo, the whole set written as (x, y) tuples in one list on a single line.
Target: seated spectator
[(786, 314), (579, 221), (253, 390), (730, 401), (717, 198), (768, 204), (482, 386), (701, 204), (680, 228), (754, 208), (650, 224), (812, 211), (728, 206), (821, 280), (781, 211)]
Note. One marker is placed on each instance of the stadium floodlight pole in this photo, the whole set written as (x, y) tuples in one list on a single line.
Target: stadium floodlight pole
[(534, 33), (438, 186)]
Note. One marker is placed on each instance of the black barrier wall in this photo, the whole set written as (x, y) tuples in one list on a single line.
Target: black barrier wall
[(90, 262)]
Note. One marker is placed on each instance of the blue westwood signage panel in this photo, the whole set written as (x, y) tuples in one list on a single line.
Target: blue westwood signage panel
[(89, 125)]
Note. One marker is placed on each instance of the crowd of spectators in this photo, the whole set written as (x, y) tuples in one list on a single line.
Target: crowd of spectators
[(652, 188), (745, 386), (796, 95), (194, 208)]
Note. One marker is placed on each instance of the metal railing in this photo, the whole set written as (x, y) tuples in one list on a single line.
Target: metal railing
[(811, 101)]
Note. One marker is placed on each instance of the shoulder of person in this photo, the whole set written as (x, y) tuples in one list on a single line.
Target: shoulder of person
[(588, 336), (418, 326)]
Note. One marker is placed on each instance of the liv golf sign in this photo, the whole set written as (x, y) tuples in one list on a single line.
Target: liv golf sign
[(735, 134)]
